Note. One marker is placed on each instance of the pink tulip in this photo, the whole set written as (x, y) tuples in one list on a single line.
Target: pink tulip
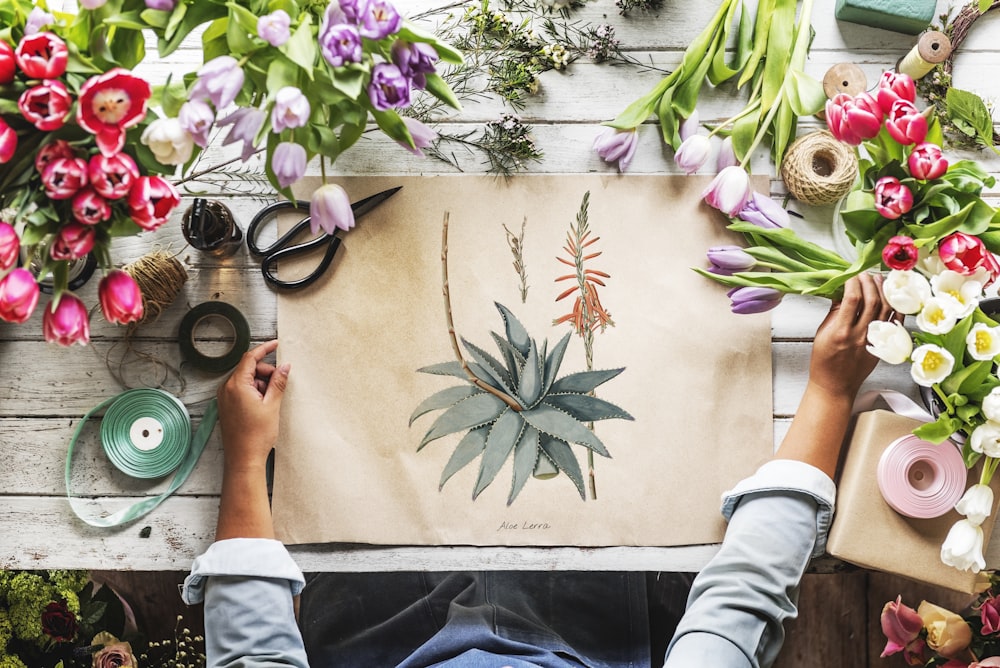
[(18, 295), (8, 65), (963, 253), (905, 123), (64, 177), (895, 86), (90, 208), (729, 191), (991, 662), (853, 119), (121, 299), (59, 148), (619, 146), (330, 209), (727, 155), (10, 246), (151, 200), (42, 56), (892, 199), (73, 241), (112, 177), (67, 322), (902, 625), (900, 253), (46, 105), (926, 162), (8, 142)]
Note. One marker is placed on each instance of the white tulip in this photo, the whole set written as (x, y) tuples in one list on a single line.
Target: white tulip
[(963, 290), (991, 405), (931, 364), (170, 143), (906, 291), (939, 315), (963, 548), (983, 341), (889, 341), (985, 439), (977, 503)]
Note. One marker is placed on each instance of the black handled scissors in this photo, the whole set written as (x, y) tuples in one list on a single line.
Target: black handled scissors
[(283, 247)]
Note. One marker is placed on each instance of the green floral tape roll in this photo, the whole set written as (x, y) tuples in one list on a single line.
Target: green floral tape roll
[(216, 309)]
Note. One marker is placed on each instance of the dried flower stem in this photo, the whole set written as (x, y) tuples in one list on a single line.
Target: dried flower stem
[(446, 291), (516, 243)]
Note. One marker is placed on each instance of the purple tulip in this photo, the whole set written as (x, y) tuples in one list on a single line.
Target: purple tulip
[(389, 88), (10, 246), (754, 299), (727, 260), (379, 19), (330, 209), (291, 109), (38, 19), (764, 212), (246, 122), (273, 28), (729, 191), (288, 162), (727, 155), (162, 5), (219, 80), (689, 126), (352, 10), (196, 118), (338, 42), (422, 136), (414, 61), (693, 153), (619, 146)]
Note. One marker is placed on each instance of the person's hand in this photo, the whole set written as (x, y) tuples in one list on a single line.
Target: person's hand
[(840, 363), (249, 406)]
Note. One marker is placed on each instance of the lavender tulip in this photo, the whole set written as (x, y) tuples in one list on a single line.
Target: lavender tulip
[(617, 146), (37, 19), (727, 155), (330, 209), (246, 122), (764, 212), (729, 191), (379, 19), (414, 61), (693, 153), (288, 162), (689, 126), (353, 10), (727, 260), (291, 109), (196, 118), (422, 136), (754, 299), (161, 5), (273, 28), (339, 41), (389, 88), (219, 80)]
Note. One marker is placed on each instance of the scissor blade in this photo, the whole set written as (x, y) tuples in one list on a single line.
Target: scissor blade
[(362, 207)]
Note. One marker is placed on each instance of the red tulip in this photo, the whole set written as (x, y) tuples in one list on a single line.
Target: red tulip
[(42, 56), (963, 253), (66, 322), (892, 199), (109, 104), (112, 177), (56, 149), (8, 66), (895, 86), (89, 207), (18, 295), (10, 246), (853, 119), (64, 177), (121, 300), (905, 123), (45, 106), (151, 200), (900, 253), (926, 162), (8, 142), (73, 241)]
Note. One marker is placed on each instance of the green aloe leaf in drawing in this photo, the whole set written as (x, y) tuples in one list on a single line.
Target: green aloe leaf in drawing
[(514, 406)]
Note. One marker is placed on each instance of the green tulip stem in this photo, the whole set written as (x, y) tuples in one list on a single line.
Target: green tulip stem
[(752, 105), (989, 468), (944, 398)]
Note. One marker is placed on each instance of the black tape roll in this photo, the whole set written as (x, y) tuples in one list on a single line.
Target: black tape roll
[(227, 312)]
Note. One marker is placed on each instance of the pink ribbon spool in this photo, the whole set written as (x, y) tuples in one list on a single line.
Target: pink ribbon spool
[(919, 479)]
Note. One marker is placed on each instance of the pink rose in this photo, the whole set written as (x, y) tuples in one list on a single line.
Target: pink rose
[(116, 655)]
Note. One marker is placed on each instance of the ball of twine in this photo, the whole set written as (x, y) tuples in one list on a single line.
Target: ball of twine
[(818, 169), (160, 277)]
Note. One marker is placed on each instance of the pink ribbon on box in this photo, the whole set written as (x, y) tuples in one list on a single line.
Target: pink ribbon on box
[(917, 478)]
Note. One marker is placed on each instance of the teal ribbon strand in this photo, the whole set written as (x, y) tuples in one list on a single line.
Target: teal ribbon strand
[(177, 450)]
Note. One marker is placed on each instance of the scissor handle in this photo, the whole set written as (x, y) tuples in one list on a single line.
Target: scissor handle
[(267, 264), (264, 215)]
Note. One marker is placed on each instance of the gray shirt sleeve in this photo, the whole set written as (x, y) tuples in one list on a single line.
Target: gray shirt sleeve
[(778, 520)]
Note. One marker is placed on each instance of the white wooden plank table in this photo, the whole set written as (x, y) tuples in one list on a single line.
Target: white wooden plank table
[(46, 389)]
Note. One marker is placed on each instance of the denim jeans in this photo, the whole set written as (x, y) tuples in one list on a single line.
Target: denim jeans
[(545, 619)]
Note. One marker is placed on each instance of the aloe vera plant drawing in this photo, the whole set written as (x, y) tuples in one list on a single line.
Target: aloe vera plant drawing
[(515, 405)]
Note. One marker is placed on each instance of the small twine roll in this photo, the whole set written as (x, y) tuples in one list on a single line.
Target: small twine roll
[(818, 169), (160, 277)]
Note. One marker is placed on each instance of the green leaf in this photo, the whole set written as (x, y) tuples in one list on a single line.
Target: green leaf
[(512, 358), (560, 425), (191, 16), (584, 381), (280, 73), (525, 459), (968, 111), (491, 365), (411, 33), (984, 6), (939, 430), (805, 94), (470, 447), (503, 436), (444, 399), (469, 413), (762, 25), (517, 335), (744, 131), (453, 368), (349, 81), (779, 52), (391, 124), (562, 456), (530, 388), (439, 88), (553, 361), (669, 123), (301, 47), (586, 408), (243, 18)]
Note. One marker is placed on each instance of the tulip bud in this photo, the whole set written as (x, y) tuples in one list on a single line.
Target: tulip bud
[(889, 341), (753, 299), (46, 105), (619, 146), (288, 162), (422, 136), (48, 153), (73, 241), (64, 177), (727, 155), (689, 126), (895, 86), (976, 503), (330, 209), (291, 109), (220, 81), (90, 208), (892, 199), (8, 142), (18, 295), (764, 212), (853, 119), (693, 153), (112, 177), (900, 253), (66, 322), (729, 191), (10, 246), (926, 162), (273, 28), (727, 260), (905, 123), (120, 297), (985, 439)]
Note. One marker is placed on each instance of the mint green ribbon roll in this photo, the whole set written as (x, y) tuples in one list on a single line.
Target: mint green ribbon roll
[(145, 433)]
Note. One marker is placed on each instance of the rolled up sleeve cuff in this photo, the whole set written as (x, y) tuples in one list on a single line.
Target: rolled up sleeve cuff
[(245, 557)]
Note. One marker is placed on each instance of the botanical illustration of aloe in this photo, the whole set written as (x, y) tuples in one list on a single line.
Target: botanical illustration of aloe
[(514, 406), (588, 315)]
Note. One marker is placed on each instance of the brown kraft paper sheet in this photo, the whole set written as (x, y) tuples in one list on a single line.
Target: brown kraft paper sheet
[(697, 378)]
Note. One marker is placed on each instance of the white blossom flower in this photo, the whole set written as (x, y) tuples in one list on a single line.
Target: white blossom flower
[(985, 439), (983, 341), (938, 316), (906, 291), (931, 364), (991, 405), (169, 142), (963, 548), (962, 289), (889, 341), (976, 503)]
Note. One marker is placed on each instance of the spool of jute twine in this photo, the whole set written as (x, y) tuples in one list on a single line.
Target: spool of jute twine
[(818, 169), (160, 277)]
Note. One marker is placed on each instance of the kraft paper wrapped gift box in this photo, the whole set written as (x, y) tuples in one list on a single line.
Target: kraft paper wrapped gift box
[(866, 531)]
